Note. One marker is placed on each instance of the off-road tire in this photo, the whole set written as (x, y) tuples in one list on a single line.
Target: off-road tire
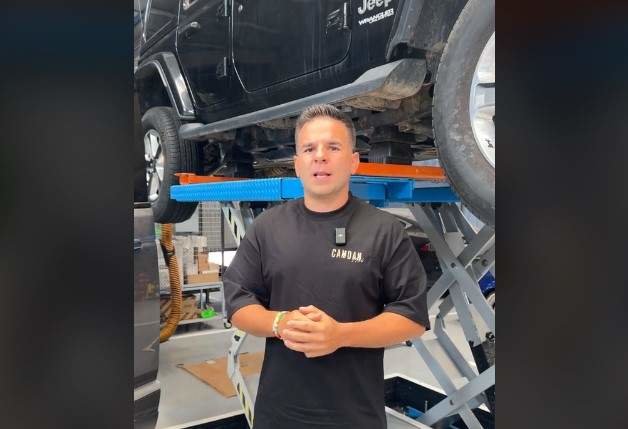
[(180, 157), (471, 175)]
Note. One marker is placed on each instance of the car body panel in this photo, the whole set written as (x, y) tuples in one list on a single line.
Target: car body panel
[(146, 314), (202, 46), (236, 58), (277, 41), (325, 66)]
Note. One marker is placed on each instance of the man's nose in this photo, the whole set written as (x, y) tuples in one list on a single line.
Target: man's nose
[(320, 153)]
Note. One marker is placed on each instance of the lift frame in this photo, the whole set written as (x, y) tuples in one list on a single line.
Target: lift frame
[(465, 255)]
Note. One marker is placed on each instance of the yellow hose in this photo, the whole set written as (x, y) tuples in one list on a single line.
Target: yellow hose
[(167, 246)]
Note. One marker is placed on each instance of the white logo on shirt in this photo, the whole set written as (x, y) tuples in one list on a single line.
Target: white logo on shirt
[(349, 255)]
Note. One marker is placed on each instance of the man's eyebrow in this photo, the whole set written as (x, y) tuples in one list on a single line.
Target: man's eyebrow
[(328, 142)]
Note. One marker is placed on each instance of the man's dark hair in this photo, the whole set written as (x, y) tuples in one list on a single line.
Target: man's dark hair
[(325, 111)]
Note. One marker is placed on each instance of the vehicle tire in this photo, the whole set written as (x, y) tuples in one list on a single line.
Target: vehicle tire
[(464, 108), (165, 155)]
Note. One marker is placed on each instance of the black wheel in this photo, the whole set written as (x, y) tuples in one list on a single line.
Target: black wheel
[(464, 108), (166, 155)]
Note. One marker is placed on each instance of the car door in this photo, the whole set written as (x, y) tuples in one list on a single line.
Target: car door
[(202, 46), (147, 390), (277, 40)]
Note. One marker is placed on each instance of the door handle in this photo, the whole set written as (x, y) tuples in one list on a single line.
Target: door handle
[(137, 245), (189, 29)]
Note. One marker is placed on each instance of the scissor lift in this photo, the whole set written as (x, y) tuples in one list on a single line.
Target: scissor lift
[(465, 255)]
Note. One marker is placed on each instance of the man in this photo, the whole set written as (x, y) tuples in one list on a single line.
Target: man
[(328, 300)]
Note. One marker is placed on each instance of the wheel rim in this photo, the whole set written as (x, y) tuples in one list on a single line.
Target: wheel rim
[(482, 102), (153, 154)]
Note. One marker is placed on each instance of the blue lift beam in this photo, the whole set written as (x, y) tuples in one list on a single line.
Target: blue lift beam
[(379, 191)]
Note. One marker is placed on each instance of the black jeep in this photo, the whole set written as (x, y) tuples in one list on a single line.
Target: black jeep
[(220, 83)]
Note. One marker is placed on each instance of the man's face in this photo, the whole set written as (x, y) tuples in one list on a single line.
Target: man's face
[(324, 159)]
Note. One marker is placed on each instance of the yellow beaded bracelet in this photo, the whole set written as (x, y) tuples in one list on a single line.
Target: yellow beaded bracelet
[(278, 318)]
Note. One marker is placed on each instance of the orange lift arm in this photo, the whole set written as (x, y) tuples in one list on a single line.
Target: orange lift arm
[(365, 169)]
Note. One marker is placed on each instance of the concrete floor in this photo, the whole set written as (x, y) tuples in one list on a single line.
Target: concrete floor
[(187, 401)]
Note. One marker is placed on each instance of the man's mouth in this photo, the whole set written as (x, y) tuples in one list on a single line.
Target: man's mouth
[(321, 174)]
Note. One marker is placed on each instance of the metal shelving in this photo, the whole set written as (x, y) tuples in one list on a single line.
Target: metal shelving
[(200, 287)]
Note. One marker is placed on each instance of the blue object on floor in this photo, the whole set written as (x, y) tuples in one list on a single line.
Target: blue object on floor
[(487, 283), (411, 412)]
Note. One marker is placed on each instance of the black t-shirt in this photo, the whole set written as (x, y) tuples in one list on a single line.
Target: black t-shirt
[(288, 258)]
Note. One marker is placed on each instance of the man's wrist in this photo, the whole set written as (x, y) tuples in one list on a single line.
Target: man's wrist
[(345, 334)]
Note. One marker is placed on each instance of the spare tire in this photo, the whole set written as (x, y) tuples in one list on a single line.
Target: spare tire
[(165, 154), (464, 108)]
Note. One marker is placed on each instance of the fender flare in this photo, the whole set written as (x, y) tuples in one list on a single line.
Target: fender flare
[(415, 23), (166, 66)]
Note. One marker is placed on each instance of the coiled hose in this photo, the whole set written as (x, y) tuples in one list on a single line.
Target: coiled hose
[(167, 246)]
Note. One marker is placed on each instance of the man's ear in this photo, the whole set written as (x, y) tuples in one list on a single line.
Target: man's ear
[(355, 162), (296, 165)]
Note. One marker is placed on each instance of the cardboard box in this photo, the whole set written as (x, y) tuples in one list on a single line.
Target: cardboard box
[(214, 372), (203, 262), (208, 277), (188, 303), (189, 308), (193, 260)]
